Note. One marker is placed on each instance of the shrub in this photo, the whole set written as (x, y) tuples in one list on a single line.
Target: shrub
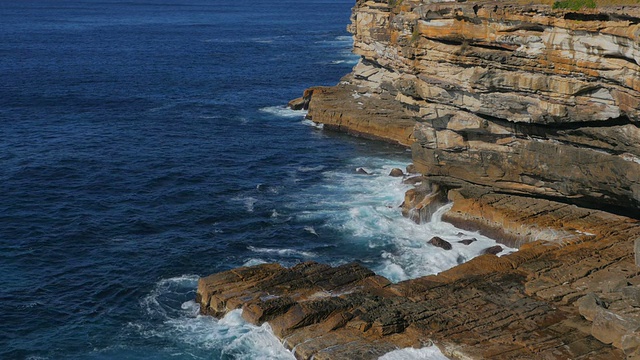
[(574, 4)]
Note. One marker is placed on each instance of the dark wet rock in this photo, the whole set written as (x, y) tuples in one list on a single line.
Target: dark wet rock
[(494, 250), (395, 172), (362, 171), (468, 241), (439, 242)]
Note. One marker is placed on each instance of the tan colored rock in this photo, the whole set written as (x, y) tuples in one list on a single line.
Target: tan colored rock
[(508, 307), (341, 108), (517, 98)]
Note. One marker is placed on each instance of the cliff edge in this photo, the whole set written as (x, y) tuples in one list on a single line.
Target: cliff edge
[(519, 99), (526, 118)]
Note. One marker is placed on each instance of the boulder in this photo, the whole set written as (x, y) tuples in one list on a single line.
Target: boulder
[(494, 250), (611, 328), (395, 172), (441, 243)]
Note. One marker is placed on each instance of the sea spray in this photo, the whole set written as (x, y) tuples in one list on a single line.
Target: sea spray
[(174, 319)]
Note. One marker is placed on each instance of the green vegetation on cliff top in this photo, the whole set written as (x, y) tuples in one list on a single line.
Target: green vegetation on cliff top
[(574, 4), (563, 4)]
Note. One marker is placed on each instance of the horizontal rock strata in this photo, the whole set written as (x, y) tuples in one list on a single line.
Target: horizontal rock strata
[(518, 114), (341, 108), (517, 99), (575, 297)]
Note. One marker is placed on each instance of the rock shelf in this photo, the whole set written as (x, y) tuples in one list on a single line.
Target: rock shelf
[(571, 298), (526, 118)]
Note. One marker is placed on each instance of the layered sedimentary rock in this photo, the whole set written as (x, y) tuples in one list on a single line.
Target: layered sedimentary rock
[(573, 297), (516, 114), (517, 99)]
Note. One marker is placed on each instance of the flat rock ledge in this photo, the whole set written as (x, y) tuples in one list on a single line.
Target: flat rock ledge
[(575, 296)]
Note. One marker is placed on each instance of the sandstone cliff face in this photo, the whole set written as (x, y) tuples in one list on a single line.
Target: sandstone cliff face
[(514, 99)]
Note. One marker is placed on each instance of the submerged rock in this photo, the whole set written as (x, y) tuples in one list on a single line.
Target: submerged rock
[(362, 171), (468, 241)]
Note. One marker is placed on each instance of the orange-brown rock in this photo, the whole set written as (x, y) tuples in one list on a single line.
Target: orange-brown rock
[(341, 108), (518, 114), (522, 99), (572, 298)]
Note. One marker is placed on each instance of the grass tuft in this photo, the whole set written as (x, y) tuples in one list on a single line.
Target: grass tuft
[(574, 4)]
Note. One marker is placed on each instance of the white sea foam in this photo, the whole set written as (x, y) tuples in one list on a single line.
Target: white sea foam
[(311, 230), (426, 353), (310, 168), (283, 111), (253, 262), (247, 201), (282, 252), (313, 124), (366, 209), (229, 337)]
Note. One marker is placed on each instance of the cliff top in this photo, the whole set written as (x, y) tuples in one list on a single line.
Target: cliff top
[(624, 8)]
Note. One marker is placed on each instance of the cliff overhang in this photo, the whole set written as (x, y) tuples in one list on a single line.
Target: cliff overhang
[(518, 99), (526, 118)]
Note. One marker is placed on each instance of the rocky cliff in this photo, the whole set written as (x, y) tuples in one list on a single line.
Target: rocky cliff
[(515, 99), (526, 118)]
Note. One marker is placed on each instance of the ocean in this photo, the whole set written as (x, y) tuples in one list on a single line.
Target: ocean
[(146, 143)]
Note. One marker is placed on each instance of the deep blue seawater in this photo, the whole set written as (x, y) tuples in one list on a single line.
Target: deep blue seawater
[(146, 143)]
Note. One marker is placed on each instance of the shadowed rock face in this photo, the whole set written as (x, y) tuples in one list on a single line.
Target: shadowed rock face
[(516, 99), (572, 298)]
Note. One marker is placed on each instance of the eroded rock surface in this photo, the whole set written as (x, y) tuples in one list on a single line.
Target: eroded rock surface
[(572, 298), (518, 99), (516, 114)]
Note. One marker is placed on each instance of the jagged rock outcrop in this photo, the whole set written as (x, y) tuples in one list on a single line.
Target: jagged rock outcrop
[(516, 114), (520, 99), (575, 297)]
